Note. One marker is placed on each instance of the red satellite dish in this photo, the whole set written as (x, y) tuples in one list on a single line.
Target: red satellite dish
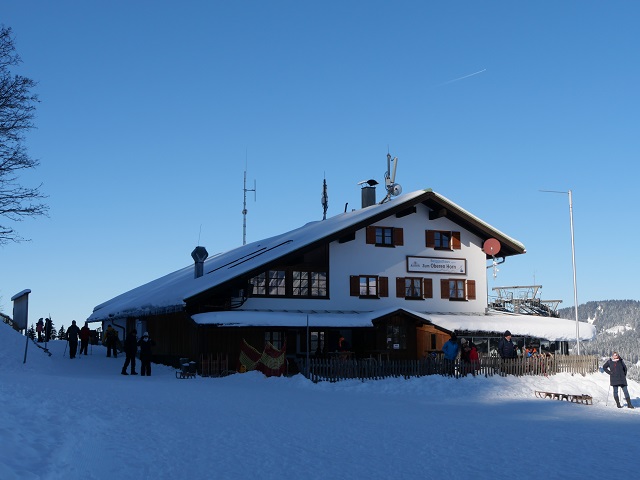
[(491, 246)]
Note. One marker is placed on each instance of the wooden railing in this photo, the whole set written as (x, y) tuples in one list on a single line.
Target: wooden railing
[(336, 369)]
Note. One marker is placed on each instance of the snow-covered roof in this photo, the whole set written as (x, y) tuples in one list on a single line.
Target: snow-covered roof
[(519, 325), (173, 289)]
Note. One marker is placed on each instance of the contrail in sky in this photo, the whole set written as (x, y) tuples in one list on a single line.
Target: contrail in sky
[(462, 78)]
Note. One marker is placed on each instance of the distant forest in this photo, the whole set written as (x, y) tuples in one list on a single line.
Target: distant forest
[(617, 325)]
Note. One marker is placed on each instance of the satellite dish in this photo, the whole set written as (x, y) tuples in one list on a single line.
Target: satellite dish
[(491, 246)]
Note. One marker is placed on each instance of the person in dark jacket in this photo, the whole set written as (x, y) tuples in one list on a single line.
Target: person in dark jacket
[(145, 344), (111, 341), (85, 333), (72, 337), (617, 371), (130, 349), (39, 329), (506, 349)]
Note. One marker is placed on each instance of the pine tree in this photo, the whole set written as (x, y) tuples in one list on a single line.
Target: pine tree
[(62, 334), (31, 333)]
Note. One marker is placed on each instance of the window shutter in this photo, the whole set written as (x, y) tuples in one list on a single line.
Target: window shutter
[(431, 242), (471, 289), (400, 287), (398, 236), (455, 241), (354, 286), (444, 288), (427, 288), (371, 235), (383, 286)]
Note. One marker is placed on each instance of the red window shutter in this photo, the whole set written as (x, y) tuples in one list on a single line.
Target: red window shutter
[(455, 241), (371, 235), (427, 287), (354, 286), (383, 286), (400, 287), (471, 289), (431, 242), (398, 236), (444, 288)]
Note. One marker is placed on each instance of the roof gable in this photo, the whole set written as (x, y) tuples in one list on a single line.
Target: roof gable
[(178, 287)]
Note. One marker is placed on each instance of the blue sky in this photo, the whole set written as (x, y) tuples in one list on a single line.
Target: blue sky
[(150, 111)]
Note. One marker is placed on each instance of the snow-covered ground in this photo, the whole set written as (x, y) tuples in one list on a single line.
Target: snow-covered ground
[(80, 419)]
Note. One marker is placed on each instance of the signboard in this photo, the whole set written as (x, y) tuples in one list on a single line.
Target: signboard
[(21, 309), (449, 266)]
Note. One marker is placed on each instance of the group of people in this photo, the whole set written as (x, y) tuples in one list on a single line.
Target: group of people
[(110, 340), (43, 329), (131, 345), (469, 358), (73, 334)]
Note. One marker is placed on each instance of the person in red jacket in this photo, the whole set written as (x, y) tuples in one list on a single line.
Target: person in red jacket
[(85, 334)]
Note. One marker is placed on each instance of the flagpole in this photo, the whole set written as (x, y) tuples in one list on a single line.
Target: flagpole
[(573, 261)]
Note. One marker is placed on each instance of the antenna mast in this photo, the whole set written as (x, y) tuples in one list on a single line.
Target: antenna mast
[(325, 199), (244, 209)]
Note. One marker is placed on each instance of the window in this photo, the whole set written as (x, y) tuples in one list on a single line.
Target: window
[(259, 284), (316, 342), (271, 283), (309, 284), (276, 283), (385, 236), (443, 240), (396, 337), (274, 338), (414, 288), (457, 289), (287, 283), (369, 286)]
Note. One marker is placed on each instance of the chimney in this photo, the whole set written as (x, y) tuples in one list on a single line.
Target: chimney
[(199, 255), (368, 192)]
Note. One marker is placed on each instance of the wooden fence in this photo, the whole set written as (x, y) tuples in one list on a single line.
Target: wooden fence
[(214, 365), (336, 369)]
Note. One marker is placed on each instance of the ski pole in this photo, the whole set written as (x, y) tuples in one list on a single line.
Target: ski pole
[(607, 402), (65, 348)]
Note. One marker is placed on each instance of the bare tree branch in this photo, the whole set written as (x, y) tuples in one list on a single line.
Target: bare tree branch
[(17, 108)]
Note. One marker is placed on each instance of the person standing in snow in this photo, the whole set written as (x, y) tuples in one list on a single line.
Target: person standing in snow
[(130, 349), (506, 349), (72, 337), (85, 333), (507, 352), (111, 341), (39, 329), (450, 350), (617, 371), (145, 344)]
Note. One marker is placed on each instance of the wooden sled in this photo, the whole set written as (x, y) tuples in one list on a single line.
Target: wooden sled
[(582, 398)]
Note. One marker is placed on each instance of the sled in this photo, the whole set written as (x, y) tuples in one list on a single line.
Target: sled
[(582, 398), (187, 369)]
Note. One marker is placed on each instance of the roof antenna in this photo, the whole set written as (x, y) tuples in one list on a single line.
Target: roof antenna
[(325, 198), (244, 209), (393, 189)]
